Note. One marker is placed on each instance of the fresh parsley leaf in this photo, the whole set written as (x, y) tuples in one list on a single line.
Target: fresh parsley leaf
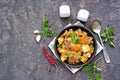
[(59, 45), (103, 35), (105, 40), (111, 38), (111, 31), (79, 52), (52, 33), (45, 31), (99, 78), (78, 40), (92, 46), (74, 38), (87, 67), (98, 75), (90, 76), (95, 75), (44, 22), (96, 68), (108, 36), (112, 44)]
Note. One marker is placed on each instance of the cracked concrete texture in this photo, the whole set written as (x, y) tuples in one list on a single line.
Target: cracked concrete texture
[(22, 59)]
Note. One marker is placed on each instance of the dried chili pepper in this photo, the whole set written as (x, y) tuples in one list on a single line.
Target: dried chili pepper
[(49, 58)]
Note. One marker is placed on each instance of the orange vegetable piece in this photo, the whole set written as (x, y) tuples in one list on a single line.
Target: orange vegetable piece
[(84, 40), (77, 47)]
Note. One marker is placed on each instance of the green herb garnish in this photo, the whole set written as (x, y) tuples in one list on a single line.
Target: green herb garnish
[(87, 67), (79, 52), (108, 36), (45, 31), (92, 67), (92, 46), (59, 45), (74, 38)]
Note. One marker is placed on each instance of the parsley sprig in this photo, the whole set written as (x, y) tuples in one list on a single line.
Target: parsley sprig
[(45, 31), (108, 36), (74, 38), (92, 67)]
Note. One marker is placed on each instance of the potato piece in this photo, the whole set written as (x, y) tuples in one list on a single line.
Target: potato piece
[(76, 32), (68, 33), (85, 55), (63, 46), (84, 59), (69, 39), (60, 40), (61, 50), (88, 54), (71, 30), (84, 33), (63, 58), (64, 34), (79, 30), (91, 50), (85, 48)]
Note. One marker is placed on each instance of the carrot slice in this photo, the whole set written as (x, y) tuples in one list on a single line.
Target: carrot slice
[(77, 47), (84, 40)]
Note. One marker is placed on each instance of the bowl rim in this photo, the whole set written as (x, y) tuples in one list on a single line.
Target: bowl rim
[(85, 29)]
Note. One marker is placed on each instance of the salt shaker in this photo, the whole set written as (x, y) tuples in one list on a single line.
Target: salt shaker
[(64, 11), (83, 15)]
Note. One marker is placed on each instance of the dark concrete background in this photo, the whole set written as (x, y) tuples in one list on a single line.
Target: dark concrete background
[(22, 59)]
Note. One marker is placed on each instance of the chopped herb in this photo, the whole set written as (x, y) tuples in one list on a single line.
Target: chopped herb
[(92, 46), (90, 76), (95, 74), (45, 31), (52, 33), (44, 22), (96, 68), (108, 36), (112, 44), (99, 78), (79, 52), (87, 67), (74, 38), (59, 45)]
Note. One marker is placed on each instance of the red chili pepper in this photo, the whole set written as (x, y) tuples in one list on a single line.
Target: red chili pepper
[(49, 58)]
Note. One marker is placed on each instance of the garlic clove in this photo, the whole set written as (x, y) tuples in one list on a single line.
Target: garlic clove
[(38, 38), (36, 32)]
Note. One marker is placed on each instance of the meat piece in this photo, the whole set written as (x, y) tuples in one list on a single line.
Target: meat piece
[(84, 59)]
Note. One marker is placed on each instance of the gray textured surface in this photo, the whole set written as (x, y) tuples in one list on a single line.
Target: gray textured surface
[(21, 58)]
